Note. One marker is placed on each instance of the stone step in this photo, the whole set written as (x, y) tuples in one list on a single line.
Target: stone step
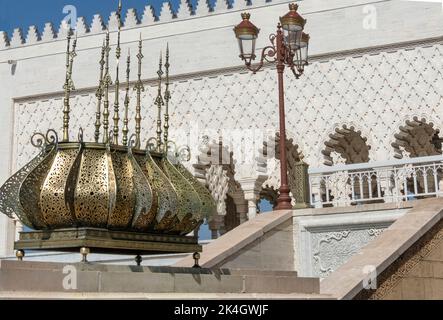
[(98, 278)]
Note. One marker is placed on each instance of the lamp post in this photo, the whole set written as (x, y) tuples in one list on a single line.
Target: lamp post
[(289, 48)]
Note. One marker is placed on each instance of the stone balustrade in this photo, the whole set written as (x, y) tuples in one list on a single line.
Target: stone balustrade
[(376, 182)]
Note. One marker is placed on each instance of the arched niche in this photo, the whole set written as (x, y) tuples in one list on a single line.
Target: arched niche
[(348, 145), (269, 161), (417, 138), (215, 168)]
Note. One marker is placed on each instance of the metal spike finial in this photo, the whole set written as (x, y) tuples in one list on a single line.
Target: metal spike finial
[(116, 117), (139, 88), (100, 93), (167, 97), (159, 103), (107, 82), (69, 84), (126, 120)]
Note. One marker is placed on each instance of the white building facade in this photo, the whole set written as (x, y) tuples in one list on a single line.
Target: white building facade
[(370, 99)]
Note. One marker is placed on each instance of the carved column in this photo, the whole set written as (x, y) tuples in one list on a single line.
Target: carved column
[(242, 206), (251, 188), (300, 191), (216, 225), (387, 184), (316, 190)]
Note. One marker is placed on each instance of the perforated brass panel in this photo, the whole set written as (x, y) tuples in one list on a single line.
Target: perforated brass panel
[(208, 206), (31, 188), (53, 197), (168, 222), (145, 203), (9, 192), (189, 202), (91, 200), (187, 225), (121, 216), (167, 196)]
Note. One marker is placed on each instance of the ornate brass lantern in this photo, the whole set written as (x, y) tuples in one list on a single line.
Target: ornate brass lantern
[(111, 195)]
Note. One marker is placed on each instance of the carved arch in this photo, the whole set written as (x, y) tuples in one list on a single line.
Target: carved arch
[(417, 138), (349, 144), (268, 154), (270, 194), (215, 167)]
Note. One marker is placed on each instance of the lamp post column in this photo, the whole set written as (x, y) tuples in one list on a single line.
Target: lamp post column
[(284, 200), (290, 42)]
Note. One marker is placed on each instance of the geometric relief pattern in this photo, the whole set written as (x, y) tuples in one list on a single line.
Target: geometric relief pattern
[(332, 249), (376, 92)]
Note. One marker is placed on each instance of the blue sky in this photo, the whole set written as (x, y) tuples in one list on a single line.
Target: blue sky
[(24, 13)]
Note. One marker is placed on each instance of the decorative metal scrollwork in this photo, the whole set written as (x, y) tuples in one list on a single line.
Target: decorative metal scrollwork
[(40, 140), (132, 142), (153, 145), (184, 153), (178, 154), (80, 135)]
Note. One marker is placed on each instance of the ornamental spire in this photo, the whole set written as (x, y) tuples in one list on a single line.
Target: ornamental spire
[(116, 117), (126, 120), (107, 82), (159, 102), (99, 93), (139, 88), (69, 84), (167, 97)]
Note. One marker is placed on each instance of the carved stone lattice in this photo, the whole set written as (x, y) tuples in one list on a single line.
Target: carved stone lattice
[(216, 168), (218, 184)]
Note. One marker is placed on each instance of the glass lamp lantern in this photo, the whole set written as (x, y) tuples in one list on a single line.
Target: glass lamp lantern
[(304, 46), (292, 24), (246, 33)]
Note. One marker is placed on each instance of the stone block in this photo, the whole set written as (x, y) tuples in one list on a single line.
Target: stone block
[(188, 283), (136, 282), (412, 289), (437, 269), (255, 284), (394, 294), (433, 289), (46, 280)]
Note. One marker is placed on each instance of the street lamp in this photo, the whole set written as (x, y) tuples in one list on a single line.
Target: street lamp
[(289, 47)]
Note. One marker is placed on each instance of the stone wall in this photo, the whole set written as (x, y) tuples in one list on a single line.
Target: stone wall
[(417, 274), (273, 251), (424, 281)]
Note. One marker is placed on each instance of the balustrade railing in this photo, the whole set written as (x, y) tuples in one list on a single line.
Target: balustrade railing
[(388, 181)]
